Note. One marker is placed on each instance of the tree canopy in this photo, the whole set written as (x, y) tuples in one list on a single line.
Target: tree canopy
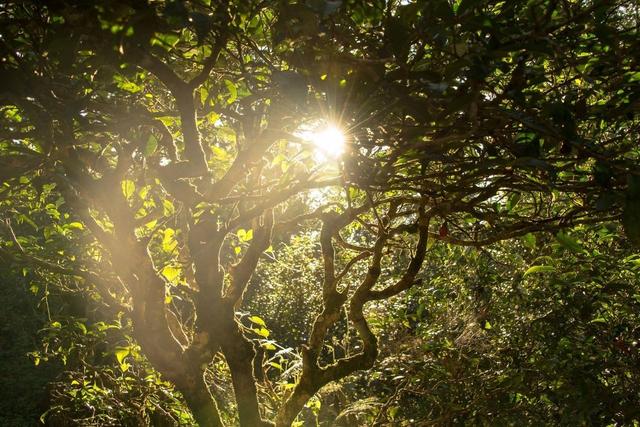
[(163, 158)]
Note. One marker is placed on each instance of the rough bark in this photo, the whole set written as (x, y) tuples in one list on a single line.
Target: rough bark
[(239, 355), (201, 402)]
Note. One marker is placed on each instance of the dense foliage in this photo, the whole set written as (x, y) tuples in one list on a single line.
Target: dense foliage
[(200, 254)]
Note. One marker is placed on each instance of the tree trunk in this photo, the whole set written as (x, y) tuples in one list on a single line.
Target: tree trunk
[(201, 402), (293, 405), (239, 354)]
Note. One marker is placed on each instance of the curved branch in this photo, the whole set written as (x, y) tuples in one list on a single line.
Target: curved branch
[(408, 278), (241, 272), (183, 94)]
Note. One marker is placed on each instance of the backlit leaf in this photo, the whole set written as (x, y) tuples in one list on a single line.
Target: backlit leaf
[(257, 320), (128, 188), (121, 353), (170, 273), (233, 91), (539, 269)]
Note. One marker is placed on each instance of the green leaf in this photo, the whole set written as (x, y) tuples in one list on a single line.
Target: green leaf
[(245, 235), (76, 225), (170, 273), (393, 411), (213, 117), (169, 242), (165, 39), (314, 403), (513, 201), (257, 320), (128, 188), (276, 365), (268, 346), (204, 95), (12, 113), (167, 207), (430, 242), (529, 240), (219, 154), (354, 193), (126, 85), (539, 269), (569, 242), (151, 145), (82, 327), (233, 91), (144, 191), (263, 332), (121, 353)]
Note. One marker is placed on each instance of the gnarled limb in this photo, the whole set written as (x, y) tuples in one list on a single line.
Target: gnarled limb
[(183, 94), (313, 376)]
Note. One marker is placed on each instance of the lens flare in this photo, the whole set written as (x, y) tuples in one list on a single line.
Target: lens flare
[(329, 141)]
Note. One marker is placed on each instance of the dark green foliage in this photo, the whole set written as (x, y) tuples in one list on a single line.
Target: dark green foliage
[(24, 394), (483, 344), (631, 215), (290, 289)]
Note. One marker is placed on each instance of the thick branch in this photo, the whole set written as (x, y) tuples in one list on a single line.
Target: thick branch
[(243, 270), (205, 241), (241, 165), (211, 61), (183, 94), (408, 278)]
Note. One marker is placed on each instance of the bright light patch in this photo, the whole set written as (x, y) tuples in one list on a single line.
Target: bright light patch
[(329, 141)]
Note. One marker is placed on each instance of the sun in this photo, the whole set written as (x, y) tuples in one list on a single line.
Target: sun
[(329, 141)]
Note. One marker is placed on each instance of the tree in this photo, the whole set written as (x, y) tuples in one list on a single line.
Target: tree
[(172, 137), (531, 331)]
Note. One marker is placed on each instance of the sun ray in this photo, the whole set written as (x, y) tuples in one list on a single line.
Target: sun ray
[(329, 141)]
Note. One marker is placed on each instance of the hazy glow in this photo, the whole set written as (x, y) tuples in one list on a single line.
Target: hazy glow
[(329, 141)]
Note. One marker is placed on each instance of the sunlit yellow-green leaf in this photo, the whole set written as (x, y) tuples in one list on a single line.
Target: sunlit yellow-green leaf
[(170, 273), (268, 346), (233, 91), (276, 365), (263, 332), (151, 145), (168, 208), (257, 320), (245, 235), (169, 242), (121, 353), (539, 269), (128, 188)]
